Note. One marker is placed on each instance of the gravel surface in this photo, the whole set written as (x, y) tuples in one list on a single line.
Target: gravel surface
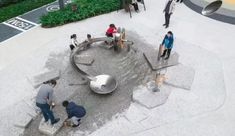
[(129, 68)]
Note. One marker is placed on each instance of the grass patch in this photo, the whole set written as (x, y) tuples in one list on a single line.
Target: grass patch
[(22, 7), (85, 9)]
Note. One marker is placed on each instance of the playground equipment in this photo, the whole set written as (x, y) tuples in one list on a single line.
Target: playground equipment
[(211, 8), (101, 84)]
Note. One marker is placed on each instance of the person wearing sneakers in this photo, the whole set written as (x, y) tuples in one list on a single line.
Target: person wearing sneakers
[(75, 112), (44, 101), (167, 43), (168, 10)]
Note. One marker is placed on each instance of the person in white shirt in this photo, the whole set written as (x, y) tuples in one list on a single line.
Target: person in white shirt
[(74, 42)]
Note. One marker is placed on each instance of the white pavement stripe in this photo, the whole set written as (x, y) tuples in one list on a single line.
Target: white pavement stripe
[(14, 26), (15, 36), (27, 21)]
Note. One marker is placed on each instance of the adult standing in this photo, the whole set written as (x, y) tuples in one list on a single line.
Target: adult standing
[(168, 10), (75, 112), (168, 44), (44, 101), (135, 4)]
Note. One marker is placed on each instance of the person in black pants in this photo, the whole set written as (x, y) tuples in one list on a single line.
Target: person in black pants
[(168, 10), (135, 4), (44, 101), (168, 44)]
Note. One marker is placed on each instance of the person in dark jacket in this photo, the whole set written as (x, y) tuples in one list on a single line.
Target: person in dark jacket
[(75, 112), (168, 44)]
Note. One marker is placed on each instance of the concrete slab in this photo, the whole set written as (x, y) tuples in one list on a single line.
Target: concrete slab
[(151, 57), (24, 114), (150, 99), (84, 59), (135, 113), (48, 129), (37, 80), (180, 76), (51, 130), (24, 122)]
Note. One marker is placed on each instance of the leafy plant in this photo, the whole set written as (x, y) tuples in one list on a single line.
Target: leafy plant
[(86, 9), (21, 8)]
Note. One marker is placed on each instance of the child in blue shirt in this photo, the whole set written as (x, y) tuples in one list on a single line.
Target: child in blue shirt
[(168, 44)]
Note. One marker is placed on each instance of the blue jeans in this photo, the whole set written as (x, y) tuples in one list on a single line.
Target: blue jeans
[(46, 112)]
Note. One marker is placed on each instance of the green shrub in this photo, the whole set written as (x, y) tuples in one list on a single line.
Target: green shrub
[(8, 2), (21, 8), (86, 9)]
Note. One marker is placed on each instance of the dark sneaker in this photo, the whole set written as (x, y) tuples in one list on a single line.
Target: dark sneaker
[(164, 24), (56, 120), (76, 125), (166, 58)]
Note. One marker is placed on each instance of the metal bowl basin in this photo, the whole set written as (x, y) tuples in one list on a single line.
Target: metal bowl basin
[(211, 8), (103, 84)]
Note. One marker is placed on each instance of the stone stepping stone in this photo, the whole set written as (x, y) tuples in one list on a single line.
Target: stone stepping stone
[(152, 58), (37, 80), (25, 114), (84, 59), (48, 129), (23, 121), (135, 113), (150, 99), (180, 76), (51, 130)]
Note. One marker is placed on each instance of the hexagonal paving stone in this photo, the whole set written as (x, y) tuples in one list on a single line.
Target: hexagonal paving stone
[(180, 76), (135, 113), (150, 99)]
